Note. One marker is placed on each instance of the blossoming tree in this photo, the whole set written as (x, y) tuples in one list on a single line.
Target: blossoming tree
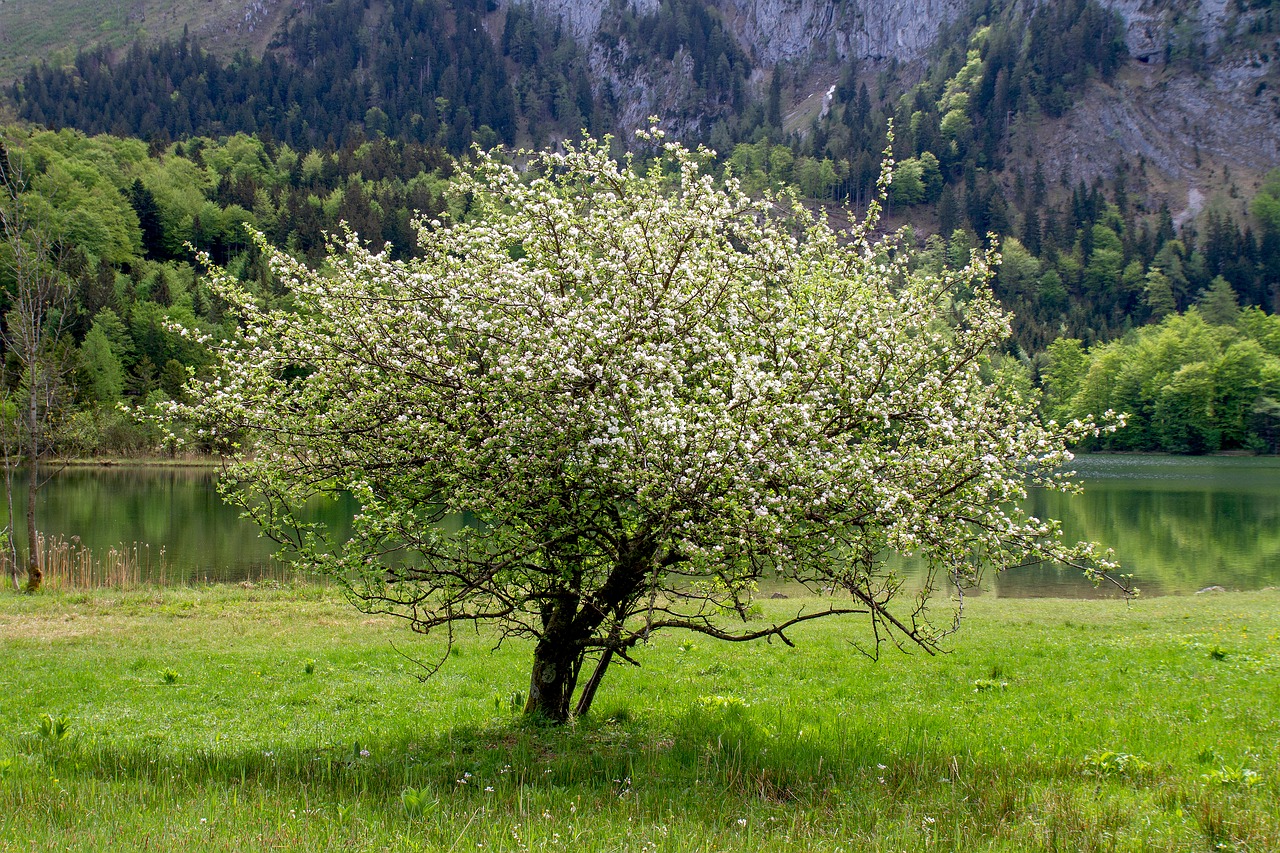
[(612, 401)]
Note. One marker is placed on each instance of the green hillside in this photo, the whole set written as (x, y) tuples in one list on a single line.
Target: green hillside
[(54, 30)]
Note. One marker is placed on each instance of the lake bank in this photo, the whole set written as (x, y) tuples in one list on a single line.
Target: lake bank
[(201, 461), (232, 719)]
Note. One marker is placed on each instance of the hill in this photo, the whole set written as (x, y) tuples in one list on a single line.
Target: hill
[(55, 30)]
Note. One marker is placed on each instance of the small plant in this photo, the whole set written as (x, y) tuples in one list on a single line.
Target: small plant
[(1109, 763), (981, 685), (1233, 777), (723, 703), (309, 667), (1217, 652), (416, 801), (53, 731), (170, 676)]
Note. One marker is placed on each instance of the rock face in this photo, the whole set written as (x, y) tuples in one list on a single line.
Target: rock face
[(1151, 25), (769, 32), (1191, 129), (582, 17), (776, 30)]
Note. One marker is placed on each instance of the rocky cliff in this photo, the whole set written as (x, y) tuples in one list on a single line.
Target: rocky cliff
[(778, 30), (775, 30)]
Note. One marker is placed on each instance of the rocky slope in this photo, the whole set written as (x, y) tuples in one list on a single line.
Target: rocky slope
[(779, 30), (782, 30), (1204, 128)]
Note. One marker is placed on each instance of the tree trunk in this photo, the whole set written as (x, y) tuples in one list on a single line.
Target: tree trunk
[(554, 677), (558, 656), (12, 560), (556, 660), (10, 537), (588, 694), (35, 577)]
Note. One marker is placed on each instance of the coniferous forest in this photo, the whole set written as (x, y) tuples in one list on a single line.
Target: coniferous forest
[(140, 158)]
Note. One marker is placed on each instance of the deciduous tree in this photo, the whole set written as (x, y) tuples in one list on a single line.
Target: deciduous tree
[(611, 402), (36, 301)]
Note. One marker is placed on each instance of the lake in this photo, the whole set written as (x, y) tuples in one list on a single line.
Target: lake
[(1178, 524)]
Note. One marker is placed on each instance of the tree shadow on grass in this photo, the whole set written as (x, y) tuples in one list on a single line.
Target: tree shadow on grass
[(715, 762), (717, 743)]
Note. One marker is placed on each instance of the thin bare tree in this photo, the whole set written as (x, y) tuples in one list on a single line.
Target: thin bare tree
[(37, 299)]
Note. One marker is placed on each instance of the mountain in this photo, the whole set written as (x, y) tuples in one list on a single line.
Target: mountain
[(1122, 154), (1093, 133), (1201, 83)]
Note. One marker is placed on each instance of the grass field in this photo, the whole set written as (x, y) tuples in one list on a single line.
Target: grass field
[(53, 30), (246, 720)]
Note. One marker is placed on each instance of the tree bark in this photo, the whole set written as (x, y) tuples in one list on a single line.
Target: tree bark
[(11, 537), (556, 660), (588, 694), (35, 577), (569, 624), (552, 682)]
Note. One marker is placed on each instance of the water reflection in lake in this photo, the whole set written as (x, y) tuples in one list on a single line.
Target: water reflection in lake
[(1178, 524), (176, 509)]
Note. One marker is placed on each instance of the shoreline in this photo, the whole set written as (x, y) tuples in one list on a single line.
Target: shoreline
[(143, 462)]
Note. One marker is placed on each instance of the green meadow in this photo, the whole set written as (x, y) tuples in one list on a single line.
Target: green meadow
[(224, 718)]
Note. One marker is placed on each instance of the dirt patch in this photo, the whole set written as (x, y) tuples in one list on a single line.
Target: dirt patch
[(52, 627)]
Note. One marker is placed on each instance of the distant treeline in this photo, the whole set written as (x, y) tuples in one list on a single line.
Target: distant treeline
[(1199, 382), (128, 216)]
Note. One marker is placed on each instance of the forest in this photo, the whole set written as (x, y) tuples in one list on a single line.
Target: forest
[(142, 158)]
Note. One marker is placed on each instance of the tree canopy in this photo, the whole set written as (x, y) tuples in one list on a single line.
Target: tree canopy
[(612, 401)]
